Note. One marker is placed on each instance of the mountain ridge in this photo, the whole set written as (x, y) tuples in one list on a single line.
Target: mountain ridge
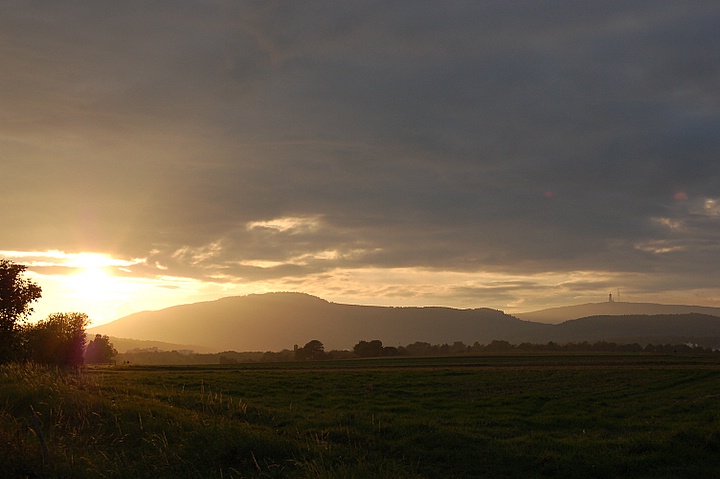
[(561, 314), (277, 321)]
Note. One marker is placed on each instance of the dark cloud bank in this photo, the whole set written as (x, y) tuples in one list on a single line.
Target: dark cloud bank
[(255, 140)]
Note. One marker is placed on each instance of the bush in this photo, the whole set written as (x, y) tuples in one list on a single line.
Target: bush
[(59, 339)]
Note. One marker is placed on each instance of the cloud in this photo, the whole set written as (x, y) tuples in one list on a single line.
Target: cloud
[(278, 141), (286, 225)]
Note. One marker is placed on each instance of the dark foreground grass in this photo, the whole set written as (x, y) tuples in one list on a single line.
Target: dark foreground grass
[(530, 416)]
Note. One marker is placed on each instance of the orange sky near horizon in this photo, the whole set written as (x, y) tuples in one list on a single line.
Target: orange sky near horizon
[(106, 288)]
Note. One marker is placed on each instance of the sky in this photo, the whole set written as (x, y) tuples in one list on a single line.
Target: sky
[(512, 155)]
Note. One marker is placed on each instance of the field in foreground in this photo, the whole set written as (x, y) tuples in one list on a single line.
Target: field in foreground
[(494, 416)]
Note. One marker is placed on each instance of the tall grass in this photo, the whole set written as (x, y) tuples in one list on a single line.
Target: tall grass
[(92, 430), (529, 417)]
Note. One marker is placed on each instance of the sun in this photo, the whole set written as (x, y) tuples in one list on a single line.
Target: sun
[(93, 280), (105, 287), (93, 284)]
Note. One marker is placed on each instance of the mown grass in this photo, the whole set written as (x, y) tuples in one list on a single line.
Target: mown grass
[(531, 416)]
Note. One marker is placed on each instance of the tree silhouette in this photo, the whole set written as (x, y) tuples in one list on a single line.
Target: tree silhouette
[(312, 350), (369, 349), (16, 295), (59, 339), (100, 350)]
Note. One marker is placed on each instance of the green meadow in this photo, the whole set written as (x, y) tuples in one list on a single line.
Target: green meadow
[(533, 416)]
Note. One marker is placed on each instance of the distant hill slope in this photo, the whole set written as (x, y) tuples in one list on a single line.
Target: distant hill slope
[(565, 313), (123, 345), (697, 328), (276, 321)]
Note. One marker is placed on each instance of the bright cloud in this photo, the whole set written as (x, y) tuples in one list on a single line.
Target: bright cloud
[(292, 225)]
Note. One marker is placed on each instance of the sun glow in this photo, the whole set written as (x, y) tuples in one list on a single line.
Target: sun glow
[(93, 284), (106, 287), (91, 280)]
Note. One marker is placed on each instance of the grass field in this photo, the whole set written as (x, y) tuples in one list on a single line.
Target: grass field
[(531, 416)]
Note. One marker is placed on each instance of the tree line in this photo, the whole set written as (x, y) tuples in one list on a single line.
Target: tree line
[(375, 348), (59, 339), (315, 351)]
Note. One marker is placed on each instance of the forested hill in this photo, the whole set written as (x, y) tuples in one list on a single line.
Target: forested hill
[(616, 308), (276, 321), (697, 328)]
